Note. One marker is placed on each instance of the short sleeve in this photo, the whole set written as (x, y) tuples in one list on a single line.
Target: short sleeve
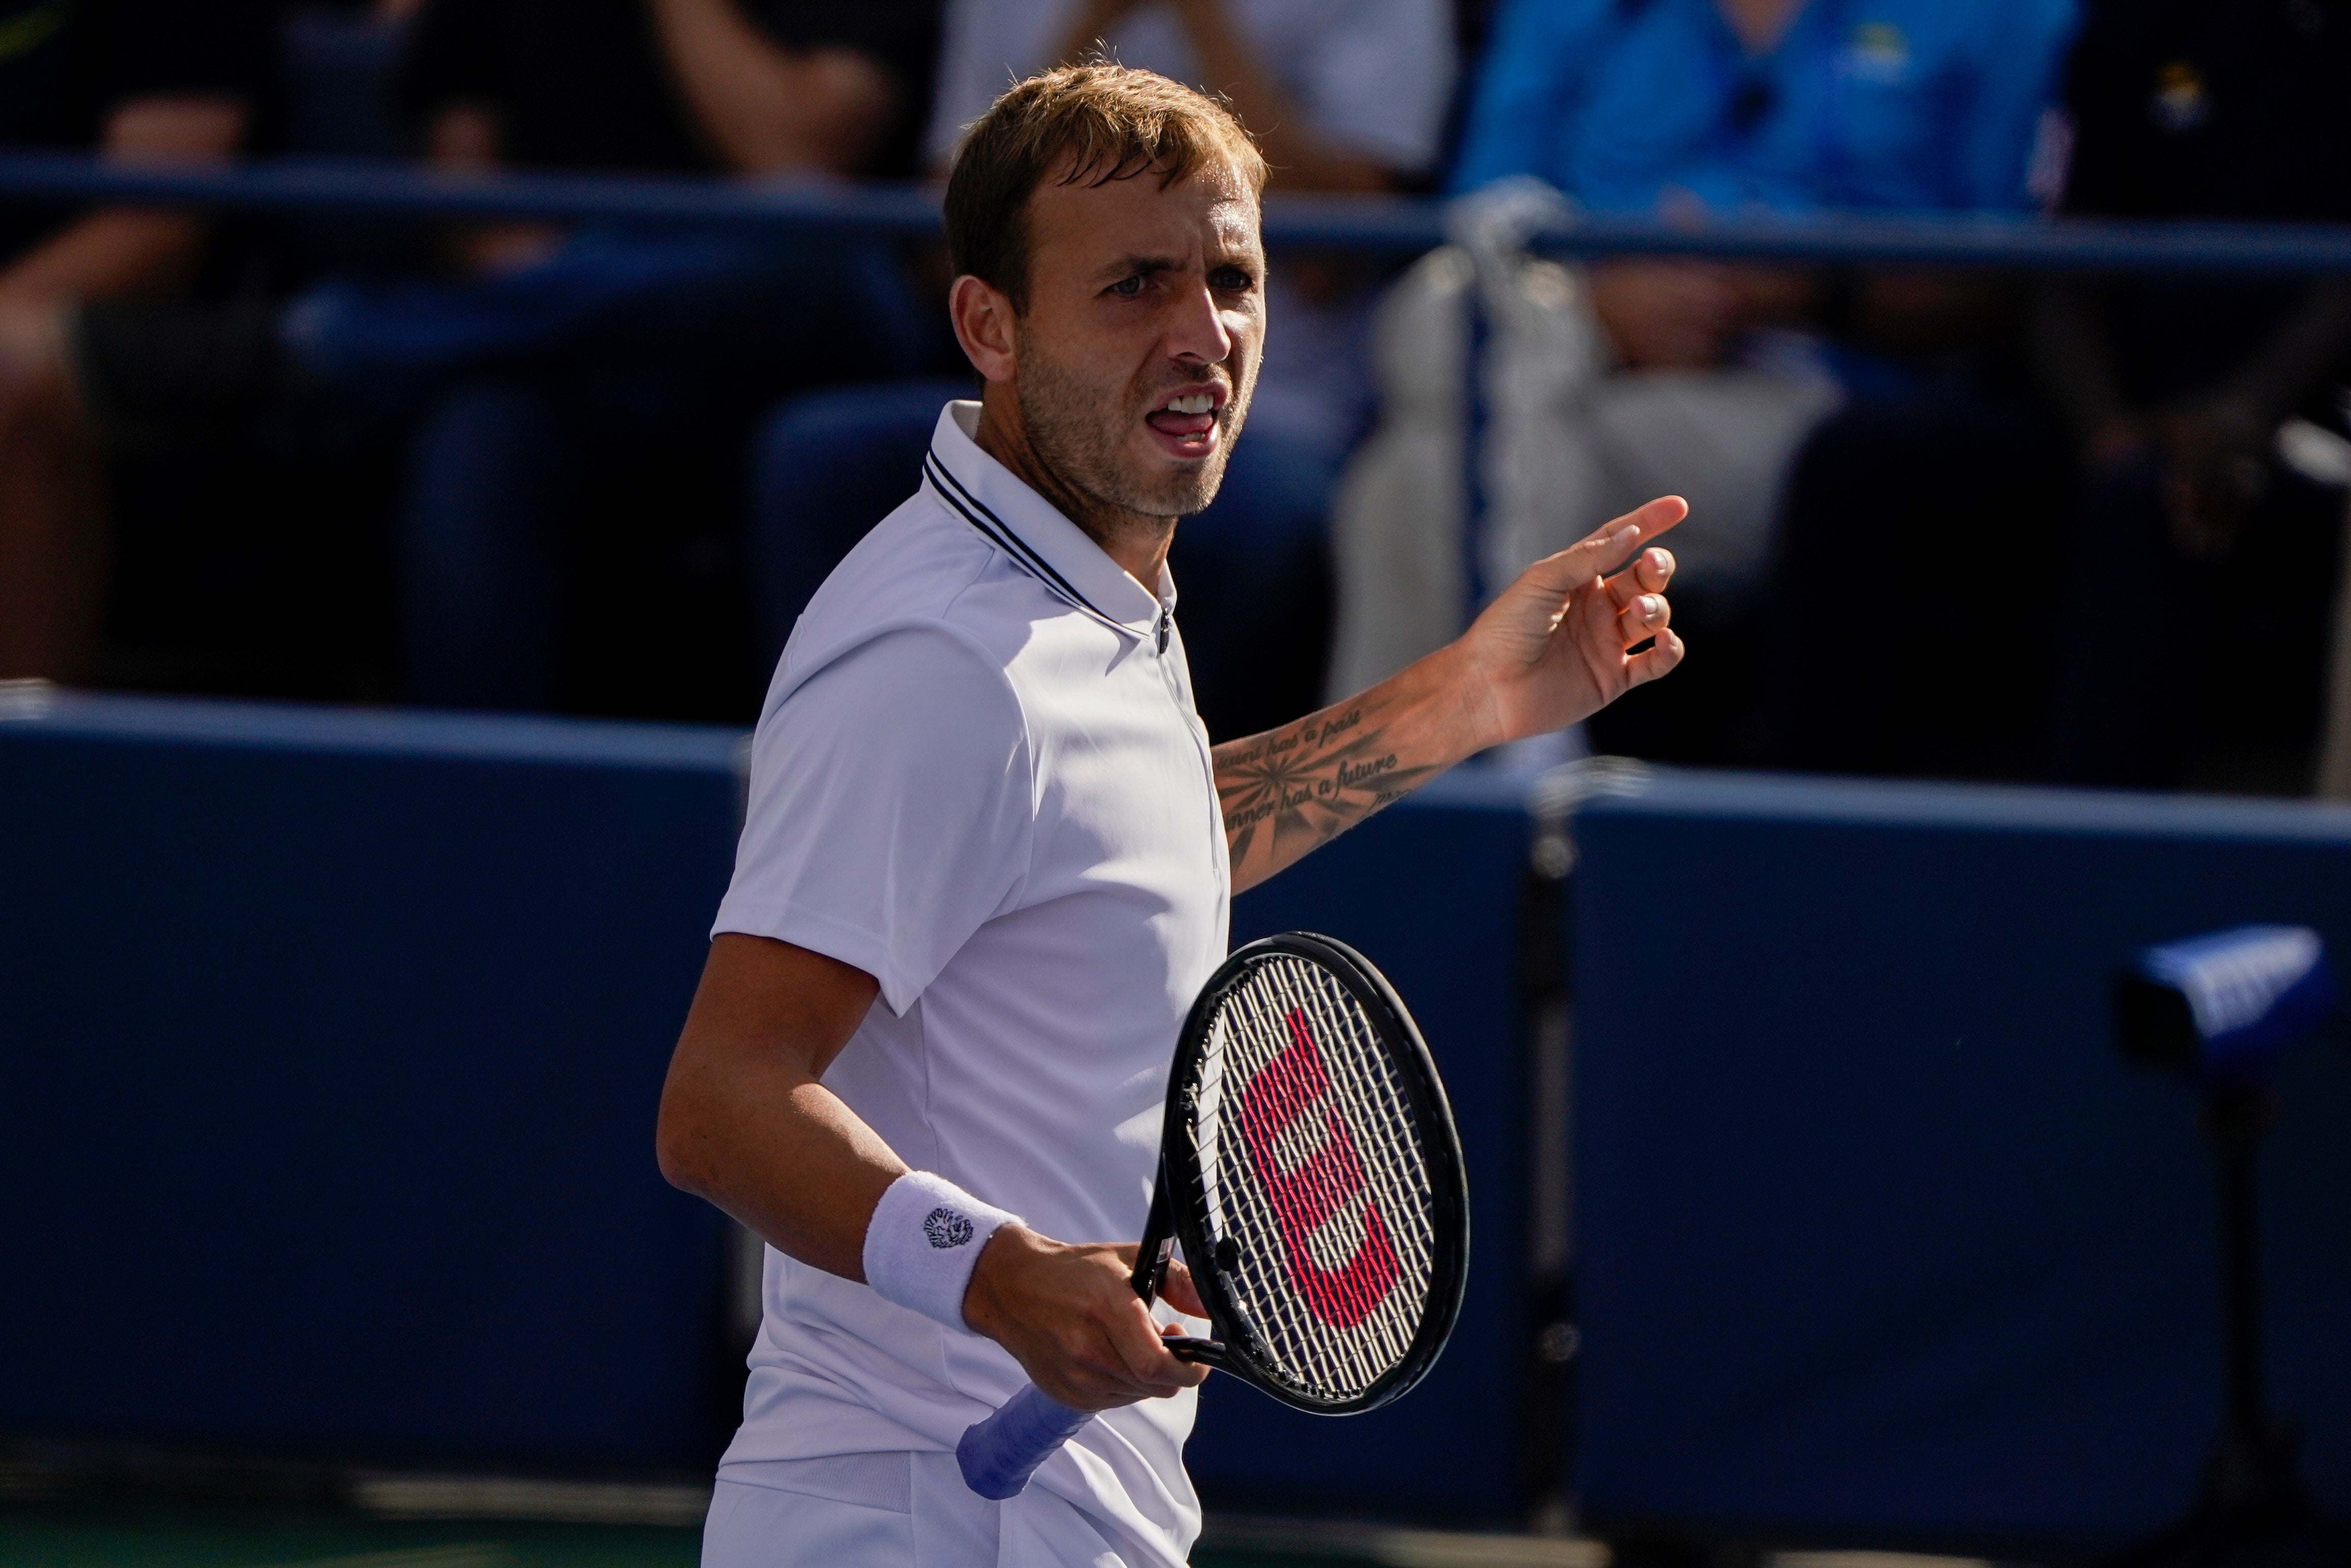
[(1379, 81), (890, 811)]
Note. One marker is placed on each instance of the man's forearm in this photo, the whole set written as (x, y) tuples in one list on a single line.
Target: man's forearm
[(1289, 789), (792, 1163), (745, 1122), (1555, 646)]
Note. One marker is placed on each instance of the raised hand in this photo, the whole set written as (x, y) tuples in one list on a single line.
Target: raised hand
[(1555, 647)]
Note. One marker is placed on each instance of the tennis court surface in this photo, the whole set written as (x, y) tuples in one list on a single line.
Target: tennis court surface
[(159, 1534), (153, 1531), (389, 1524)]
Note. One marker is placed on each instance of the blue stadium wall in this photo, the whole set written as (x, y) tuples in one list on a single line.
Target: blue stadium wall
[(332, 1043)]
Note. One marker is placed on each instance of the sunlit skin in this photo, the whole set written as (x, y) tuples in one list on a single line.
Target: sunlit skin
[(1140, 291), (1137, 295)]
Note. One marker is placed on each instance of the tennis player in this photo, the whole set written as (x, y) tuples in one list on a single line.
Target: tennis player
[(990, 852)]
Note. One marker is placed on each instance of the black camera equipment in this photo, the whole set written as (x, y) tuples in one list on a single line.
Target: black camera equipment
[(2222, 1009)]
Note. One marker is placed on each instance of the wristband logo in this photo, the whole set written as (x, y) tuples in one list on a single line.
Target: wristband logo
[(1315, 1194), (947, 1228)]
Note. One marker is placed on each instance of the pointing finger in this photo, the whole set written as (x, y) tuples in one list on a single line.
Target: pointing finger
[(1652, 517), (1648, 520), (1602, 548)]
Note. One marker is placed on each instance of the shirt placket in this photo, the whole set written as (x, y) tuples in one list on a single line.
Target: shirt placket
[(1163, 639)]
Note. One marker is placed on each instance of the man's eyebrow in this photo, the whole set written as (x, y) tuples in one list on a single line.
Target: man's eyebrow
[(1127, 266)]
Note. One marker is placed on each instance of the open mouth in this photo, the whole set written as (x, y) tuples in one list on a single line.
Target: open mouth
[(1186, 416)]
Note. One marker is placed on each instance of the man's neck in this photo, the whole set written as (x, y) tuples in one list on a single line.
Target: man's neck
[(1137, 542)]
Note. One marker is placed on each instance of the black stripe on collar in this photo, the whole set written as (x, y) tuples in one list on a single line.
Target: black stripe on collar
[(998, 532)]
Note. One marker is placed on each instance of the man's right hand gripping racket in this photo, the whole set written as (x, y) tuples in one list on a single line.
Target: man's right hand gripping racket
[(1310, 1169)]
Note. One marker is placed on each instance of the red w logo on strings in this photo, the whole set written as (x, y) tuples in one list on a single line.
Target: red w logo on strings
[(1293, 1090)]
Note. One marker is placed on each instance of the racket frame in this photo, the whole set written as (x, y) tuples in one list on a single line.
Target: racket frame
[(1179, 1213), (1151, 1255)]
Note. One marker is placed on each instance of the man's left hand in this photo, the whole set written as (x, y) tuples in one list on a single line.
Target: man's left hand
[(1561, 643), (1558, 644)]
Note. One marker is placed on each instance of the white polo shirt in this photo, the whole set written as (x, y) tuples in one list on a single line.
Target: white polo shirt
[(979, 777)]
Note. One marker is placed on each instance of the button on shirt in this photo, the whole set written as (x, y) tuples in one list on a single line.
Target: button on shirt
[(979, 777), (1633, 105)]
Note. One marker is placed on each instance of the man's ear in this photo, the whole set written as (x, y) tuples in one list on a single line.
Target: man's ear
[(983, 321)]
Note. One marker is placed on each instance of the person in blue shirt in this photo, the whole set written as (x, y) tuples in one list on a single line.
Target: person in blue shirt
[(2173, 535), (1681, 108), (1643, 106), (1714, 375)]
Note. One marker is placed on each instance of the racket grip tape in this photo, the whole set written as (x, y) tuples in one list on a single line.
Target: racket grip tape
[(998, 1455)]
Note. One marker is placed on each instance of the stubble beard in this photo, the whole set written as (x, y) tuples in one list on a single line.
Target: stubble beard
[(1079, 435)]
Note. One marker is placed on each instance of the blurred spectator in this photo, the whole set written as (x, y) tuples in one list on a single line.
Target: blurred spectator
[(1705, 377), (1697, 106), (135, 80), (1894, 507), (2148, 521), (2195, 547), (1340, 96), (1343, 95), (602, 363), (576, 386)]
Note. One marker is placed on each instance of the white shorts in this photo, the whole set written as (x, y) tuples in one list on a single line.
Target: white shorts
[(895, 1510)]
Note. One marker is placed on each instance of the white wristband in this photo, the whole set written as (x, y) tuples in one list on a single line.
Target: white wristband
[(922, 1241)]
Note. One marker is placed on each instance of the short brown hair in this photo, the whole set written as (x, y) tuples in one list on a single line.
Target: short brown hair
[(1095, 123)]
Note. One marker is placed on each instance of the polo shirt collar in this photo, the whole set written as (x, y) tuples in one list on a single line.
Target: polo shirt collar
[(1032, 531)]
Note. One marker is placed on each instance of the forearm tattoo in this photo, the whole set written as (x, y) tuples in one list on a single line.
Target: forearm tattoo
[(1288, 789)]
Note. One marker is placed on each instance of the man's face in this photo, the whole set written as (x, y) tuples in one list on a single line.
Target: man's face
[(1139, 347)]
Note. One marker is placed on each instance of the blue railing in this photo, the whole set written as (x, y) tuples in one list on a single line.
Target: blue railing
[(1390, 224)]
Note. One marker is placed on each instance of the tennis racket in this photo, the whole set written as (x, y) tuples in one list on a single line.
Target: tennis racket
[(1310, 1170)]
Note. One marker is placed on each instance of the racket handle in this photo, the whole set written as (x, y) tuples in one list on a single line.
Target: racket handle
[(998, 1455)]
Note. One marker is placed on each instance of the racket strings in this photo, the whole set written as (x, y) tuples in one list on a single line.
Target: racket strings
[(1400, 1168), (1384, 1131), (1334, 1171), (1209, 1126), (1310, 1170), (1326, 1189)]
